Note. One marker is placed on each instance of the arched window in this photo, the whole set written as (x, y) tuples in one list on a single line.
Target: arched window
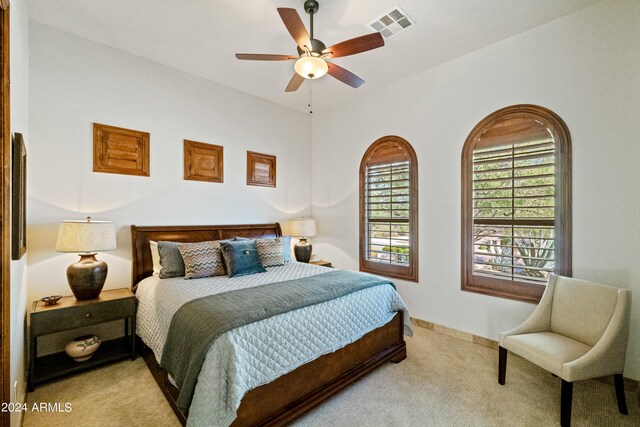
[(389, 209), (516, 203)]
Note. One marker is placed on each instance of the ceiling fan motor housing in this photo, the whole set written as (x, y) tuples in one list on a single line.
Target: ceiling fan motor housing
[(316, 47)]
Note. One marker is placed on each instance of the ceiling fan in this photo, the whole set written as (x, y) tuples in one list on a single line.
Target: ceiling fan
[(313, 54)]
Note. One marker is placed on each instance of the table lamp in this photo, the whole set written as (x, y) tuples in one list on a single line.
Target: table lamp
[(303, 228), (86, 237)]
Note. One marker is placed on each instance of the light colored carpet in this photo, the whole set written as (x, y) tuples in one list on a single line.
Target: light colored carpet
[(443, 382)]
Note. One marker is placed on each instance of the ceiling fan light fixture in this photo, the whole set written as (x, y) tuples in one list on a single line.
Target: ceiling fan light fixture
[(311, 67)]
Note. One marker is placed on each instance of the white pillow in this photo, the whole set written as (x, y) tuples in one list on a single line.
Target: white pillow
[(155, 257)]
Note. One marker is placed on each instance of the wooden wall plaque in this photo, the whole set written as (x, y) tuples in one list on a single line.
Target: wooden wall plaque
[(119, 150), (261, 169), (203, 162)]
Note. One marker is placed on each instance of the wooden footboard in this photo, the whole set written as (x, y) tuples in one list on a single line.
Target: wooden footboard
[(290, 396)]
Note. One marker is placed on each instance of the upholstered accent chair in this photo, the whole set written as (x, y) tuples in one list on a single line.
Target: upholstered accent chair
[(578, 331)]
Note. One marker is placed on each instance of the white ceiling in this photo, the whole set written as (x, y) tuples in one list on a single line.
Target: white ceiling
[(201, 36)]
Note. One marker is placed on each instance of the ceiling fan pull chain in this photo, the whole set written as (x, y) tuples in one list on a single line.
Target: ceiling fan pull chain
[(310, 105)]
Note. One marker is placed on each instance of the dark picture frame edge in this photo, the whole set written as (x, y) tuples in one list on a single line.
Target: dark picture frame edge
[(18, 197)]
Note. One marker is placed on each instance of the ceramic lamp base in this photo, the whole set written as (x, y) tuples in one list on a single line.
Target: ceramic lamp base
[(302, 250), (87, 276)]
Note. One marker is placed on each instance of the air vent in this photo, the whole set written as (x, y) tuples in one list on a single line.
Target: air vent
[(392, 22)]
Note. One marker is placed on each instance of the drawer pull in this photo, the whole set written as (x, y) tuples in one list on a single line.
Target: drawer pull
[(87, 315)]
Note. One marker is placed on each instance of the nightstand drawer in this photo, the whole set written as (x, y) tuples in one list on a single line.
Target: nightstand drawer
[(47, 322)]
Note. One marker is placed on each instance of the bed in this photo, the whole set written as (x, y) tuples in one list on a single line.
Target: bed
[(287, 397)]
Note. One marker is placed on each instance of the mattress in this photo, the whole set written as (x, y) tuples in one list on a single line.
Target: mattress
[(257, 353)]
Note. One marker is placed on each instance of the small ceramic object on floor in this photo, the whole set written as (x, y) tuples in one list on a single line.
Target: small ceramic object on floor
[(82, 348), (51, 300)]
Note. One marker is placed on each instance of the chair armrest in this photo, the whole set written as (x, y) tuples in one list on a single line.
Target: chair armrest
[(540, 319), (608, 355)]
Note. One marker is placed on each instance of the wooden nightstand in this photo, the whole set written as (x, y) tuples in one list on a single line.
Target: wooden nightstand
[(69, 314), (322, 263)]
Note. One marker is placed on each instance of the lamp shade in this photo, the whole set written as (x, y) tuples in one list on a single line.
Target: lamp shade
[(86, 236), (303, 227)]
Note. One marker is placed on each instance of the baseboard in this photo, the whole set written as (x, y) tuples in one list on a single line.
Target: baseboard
[(462, 335), (19, 419), (631, 386), (19, 392)]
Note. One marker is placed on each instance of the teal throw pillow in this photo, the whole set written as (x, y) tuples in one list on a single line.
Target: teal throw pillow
[(241, 257)]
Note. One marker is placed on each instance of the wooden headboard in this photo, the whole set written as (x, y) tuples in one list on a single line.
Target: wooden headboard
[(142, 265)]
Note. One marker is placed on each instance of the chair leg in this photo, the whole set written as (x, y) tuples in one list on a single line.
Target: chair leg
[(566, 396), (502, 364), (622, 403)]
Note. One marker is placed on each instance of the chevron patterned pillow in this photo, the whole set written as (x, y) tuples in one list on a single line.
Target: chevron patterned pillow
[(271, 251), (203, 259)]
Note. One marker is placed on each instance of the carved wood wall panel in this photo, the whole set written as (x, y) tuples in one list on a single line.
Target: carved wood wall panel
[(120, 150), (203, 162), (261, 169)]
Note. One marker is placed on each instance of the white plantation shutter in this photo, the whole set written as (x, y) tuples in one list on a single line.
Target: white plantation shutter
[(387, 201), (513, 211)]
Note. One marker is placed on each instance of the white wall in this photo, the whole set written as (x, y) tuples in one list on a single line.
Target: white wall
[(585, 68), (19, 51), (75, 82)]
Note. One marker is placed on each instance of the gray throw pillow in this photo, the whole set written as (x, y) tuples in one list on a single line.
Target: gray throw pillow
[(170, 260), (271, 251), (241, 257)]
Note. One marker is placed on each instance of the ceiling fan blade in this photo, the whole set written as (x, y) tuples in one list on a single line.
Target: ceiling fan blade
[(356, 45), (344, 75), (295, 26), (294, 83), (264, 57)]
